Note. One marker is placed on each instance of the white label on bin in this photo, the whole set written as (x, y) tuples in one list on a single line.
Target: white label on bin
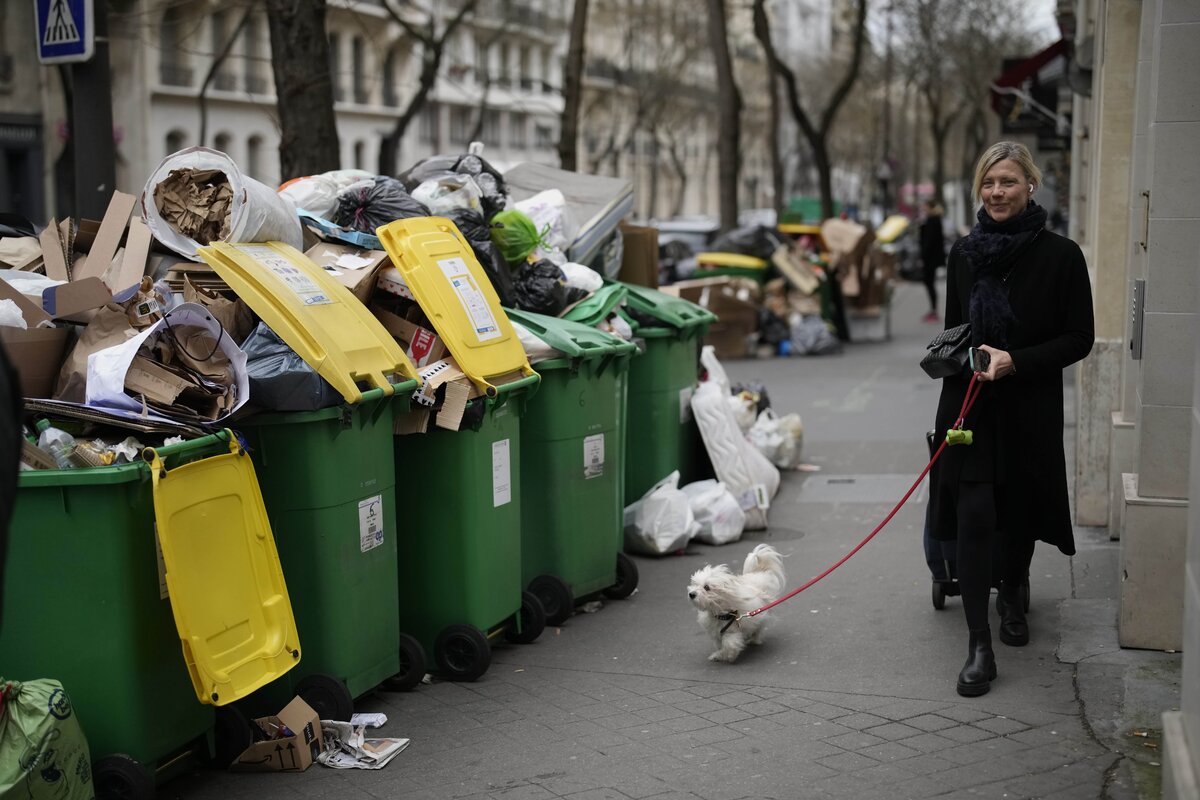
[(163, 594), (501, 474), (685, 405), (370, 523), (289, 274), (593, 456), (472, 299)]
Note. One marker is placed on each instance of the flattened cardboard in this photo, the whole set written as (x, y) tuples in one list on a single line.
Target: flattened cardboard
[(33, 313), (52, 253), (421, 345), (450, 416), (71, 299), (414, 421), (37, 355), (153, 381), (294, 753), (391, 281), (133, 263), (108, 239), (352, 267), (20, 252), (36, 457), (798, 273), (639, 259)]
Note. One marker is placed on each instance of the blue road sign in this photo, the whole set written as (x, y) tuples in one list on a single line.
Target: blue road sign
[(65, 31)]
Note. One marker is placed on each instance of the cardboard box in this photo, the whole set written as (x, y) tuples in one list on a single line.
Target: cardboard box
[(391, 281), (733, 334), (639, 259), (37, 355), (352, 267), (294, 753), (422, 345)]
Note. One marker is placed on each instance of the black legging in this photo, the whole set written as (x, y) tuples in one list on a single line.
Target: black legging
[(976, 548), (930, 276)]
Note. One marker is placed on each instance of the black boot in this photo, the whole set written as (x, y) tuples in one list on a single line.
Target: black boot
[(980, 670), (1014, 630)]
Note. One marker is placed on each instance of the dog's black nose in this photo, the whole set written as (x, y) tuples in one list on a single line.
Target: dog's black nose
[(692, 595)]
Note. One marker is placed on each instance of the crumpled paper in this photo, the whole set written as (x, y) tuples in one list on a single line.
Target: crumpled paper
[(196, 203)]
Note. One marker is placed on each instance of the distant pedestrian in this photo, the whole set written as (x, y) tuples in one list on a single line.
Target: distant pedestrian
[(1026, 293), (933, 253)]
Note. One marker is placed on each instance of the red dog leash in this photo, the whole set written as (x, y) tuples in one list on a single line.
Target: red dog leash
[(973, 390)]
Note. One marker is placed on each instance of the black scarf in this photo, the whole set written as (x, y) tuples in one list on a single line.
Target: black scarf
[(990, 248)]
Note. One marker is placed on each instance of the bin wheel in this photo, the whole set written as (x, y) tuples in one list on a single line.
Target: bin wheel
[(627, 579), (529, 622), (555, 596), (233, 732), (327, 695), (462, 652), (119, 777), (939, 595), (412, 666)]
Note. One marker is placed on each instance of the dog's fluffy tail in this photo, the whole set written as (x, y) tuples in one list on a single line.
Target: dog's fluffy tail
[(766, 559)]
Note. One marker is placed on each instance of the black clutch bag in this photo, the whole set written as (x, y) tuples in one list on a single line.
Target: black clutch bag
[(947, 354)]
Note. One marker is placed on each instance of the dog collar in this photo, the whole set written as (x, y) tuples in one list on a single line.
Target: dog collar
[(731, 616)]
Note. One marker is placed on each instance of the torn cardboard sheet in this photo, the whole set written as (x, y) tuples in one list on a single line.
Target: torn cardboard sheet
[(196, 203), (20, 252), (346, 747)]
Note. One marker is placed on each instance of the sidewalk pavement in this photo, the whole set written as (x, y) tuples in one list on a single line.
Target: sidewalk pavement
[(851, 696)]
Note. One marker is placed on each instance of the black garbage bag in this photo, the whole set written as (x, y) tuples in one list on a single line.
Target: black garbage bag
[(542, 288), (475, 229), (15, 225), (280, 380), (489, 179), (759, 241), (772, 329), (370, 207)]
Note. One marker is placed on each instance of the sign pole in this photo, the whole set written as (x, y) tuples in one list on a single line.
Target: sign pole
[(92, 129)]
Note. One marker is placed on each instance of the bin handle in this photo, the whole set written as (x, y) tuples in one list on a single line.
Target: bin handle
[(404, 386), (505, 389), (152, 454)]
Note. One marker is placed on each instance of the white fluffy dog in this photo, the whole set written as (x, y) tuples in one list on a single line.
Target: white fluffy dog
[(721, 596)]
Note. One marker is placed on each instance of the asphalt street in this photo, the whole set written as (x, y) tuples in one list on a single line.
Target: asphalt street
[(851, 696)]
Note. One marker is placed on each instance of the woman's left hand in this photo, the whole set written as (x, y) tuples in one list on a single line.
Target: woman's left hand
[(1000, 366)]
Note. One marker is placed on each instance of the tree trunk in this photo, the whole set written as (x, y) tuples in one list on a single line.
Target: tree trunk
[(824, 178), (568, 136), (729, 110), (389, 146), (308, 138), (777, 190), (219, 60)]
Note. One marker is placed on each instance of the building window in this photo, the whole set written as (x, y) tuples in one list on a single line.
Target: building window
[(523, 73), (224, 80), (543, 137), (222, 142), (176, 140), (549, 77), (360, 154), (252, 55), (491, 128), (335, 69), (518, 129), (431, 124), (358, 74), (460, 125), (173, 69), (391, 96), (481, 62), (254, 165)]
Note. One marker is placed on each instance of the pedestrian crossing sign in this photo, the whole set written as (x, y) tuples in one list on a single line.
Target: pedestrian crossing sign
[(65, 31)]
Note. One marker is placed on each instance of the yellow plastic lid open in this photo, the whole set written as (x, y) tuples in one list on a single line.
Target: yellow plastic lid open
[(442, 273), (318, 317), (223, 575)]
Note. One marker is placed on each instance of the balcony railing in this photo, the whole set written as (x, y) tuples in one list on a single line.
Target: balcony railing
[(175, 75)]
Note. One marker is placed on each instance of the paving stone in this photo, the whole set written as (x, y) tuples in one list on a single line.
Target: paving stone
[(1001, 725), (847, 762), (965, 734), (930, 722), (855, 741), (890, 752), (657, 713), (736, 698), (763, 708), (893, 731), (727, 715), (860, 721)]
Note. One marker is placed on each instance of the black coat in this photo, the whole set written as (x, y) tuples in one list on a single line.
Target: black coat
[(1018, 420), (933, 242)]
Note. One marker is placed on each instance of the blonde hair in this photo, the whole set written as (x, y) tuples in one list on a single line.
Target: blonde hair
[(1001, 151)]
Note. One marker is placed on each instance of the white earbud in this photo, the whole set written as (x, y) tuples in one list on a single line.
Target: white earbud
[(1031, 188)]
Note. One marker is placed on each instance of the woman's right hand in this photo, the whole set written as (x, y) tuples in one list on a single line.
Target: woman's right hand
[(1000, 366)]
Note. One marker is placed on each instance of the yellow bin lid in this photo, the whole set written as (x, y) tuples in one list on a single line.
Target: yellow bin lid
[(318, 317), (722, 259), (441, 271), (891, 228), (223, 575)]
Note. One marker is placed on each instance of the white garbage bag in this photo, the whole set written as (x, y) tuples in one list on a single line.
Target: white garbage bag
[(745, 410), (581, 277), (661, 521), (717, 512), (716, 373), (778, 438)]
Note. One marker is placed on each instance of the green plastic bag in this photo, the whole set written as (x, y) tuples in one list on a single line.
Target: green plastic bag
[(515, 235), (43, 753)]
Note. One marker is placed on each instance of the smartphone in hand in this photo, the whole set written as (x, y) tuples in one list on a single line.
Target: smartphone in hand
[(979, 359)]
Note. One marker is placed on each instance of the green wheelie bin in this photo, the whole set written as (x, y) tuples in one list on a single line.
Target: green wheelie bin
[(85, 603), (328, 480), (460, 554), (573, 468), (662, 436)]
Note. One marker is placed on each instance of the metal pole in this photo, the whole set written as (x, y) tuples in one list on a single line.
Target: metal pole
[(92, 134)]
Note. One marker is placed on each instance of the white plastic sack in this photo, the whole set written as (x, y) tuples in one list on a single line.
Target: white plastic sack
[(747, 473), (716, 372), (581, 277), (257, 213), (617, 326), (720, 518), (449, 191), (745, 411), (316, 194), (11, 315), (106, 368), (661, 521), (535, 348), (778, 438), (548, 210)]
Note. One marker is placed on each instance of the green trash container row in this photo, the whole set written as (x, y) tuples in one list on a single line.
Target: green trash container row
[(460, 559), (662, 436), (84, 603), (572, 468), (328, 481)]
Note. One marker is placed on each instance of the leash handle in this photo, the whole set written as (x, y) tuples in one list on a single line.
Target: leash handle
[(969, 400)]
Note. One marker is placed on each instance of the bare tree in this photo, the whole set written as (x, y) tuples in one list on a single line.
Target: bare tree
[(488, 43), (433, 47), (308, 139), (816, 132), (218, 61), (729, 109), (568, 135)]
